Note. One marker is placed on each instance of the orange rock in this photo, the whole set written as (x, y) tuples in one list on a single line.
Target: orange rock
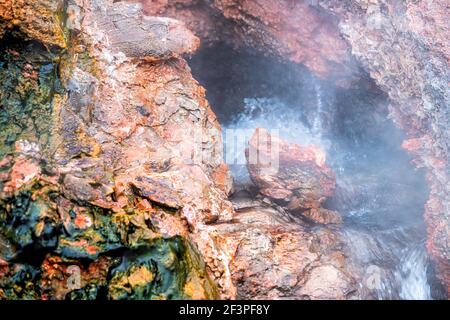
[(222, 178), (82, 221), (23, 171), (37, 19), (291, 174)]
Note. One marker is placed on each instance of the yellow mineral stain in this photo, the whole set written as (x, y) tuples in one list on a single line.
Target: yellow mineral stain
[(140, 277), (194, 289)]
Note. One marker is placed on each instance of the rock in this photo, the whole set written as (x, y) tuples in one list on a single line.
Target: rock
[(123, 152), (22, 172), (404, 46), (323, 216), (222, 178), (120, 103), (7, 250), (291, 174), (81, 88), (35, 20), (78, 188), (269, 26), (158, 273), (70, 279), (159, 191), (274, 258), (29, 216), (333, 39), (137, 35), (15, 277), (326, 282)]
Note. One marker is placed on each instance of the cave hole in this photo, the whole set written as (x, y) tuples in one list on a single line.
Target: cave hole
[(380, 194)]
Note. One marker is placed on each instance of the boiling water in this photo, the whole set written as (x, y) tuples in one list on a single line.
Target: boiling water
[(379, 194)]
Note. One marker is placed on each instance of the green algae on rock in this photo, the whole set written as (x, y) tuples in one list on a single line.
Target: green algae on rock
[(19, 282), (30, 221), (165, 270), (28, 77)]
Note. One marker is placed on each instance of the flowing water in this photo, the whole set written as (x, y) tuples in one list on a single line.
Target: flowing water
[(379, 194)]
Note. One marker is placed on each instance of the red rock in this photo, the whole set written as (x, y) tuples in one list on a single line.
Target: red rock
[(5, 161), (82, 221), (222, 178), (56, 274), (24, 170), (291, 174), (138, 114), (269, 26)]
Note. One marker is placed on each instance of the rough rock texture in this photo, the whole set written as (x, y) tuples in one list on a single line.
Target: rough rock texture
[(270, 26), (40, 20), (322, 215), (404, 46), (204, 20), (276, 258), (138, 35), (113, 159), (292, 175), (101, 153), (294, 30)]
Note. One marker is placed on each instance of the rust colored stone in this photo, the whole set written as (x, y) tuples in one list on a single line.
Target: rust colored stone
[(35, 19), (294, 175), (292, 30)]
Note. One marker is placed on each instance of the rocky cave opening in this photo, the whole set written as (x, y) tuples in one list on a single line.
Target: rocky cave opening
[(101, 105), (379, 193)]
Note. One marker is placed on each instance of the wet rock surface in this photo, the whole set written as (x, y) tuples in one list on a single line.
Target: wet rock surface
[(294, 176), (404, 48)]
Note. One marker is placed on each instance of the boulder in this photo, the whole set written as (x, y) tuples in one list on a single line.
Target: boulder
[(292, 175), (138, 35), (274, 258)]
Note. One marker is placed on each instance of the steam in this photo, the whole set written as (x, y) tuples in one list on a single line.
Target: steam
[(317, 124), (380, 195)]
